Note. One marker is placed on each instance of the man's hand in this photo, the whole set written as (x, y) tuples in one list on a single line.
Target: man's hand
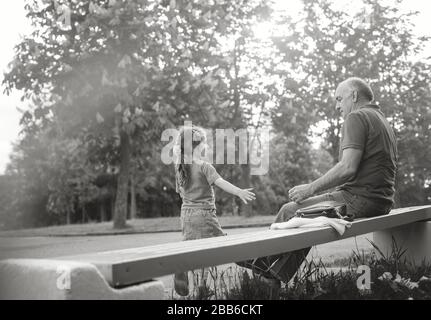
[(300, 193)]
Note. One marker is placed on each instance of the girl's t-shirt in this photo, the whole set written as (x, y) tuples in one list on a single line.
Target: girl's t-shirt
[(198, 191)]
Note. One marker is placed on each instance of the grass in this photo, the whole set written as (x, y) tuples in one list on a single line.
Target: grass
[(392, 277), (233, 283), (134, 226)]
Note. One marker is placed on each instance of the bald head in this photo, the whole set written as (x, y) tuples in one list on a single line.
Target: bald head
[(352, 94), (361, 87)]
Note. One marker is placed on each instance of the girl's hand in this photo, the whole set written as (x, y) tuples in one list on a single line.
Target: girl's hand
[(246, 195)]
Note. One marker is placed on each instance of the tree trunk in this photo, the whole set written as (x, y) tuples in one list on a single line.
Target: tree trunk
[(84, 214), (112, 206), (334, 141), (102, 207), (68, 217), (245, 182), (132, 197), (120, 213), (234, 207)]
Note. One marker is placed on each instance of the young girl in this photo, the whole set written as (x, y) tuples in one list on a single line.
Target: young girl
[(194, 182)]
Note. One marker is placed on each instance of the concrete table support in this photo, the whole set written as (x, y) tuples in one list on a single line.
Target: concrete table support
[(415, 237), (66, 280)]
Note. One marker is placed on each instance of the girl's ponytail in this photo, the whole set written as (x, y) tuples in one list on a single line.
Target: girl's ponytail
[(180, 166), (181, 174)]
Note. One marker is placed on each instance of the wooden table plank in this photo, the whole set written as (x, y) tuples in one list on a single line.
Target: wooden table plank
[(130, 266)]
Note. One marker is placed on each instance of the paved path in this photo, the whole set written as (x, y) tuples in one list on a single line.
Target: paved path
[(50, 247)]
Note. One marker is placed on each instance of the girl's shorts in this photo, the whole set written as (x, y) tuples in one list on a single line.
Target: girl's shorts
[(199, 223)]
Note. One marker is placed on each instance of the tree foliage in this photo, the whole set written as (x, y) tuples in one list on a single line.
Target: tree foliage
[(326, 47), (106, 76)]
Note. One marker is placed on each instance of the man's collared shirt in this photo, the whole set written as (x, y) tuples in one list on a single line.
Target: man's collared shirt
[(368, 130)]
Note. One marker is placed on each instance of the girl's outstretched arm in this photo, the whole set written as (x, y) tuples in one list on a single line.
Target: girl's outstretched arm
[(244, 194)]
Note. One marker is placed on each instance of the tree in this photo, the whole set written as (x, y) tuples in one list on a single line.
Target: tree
[(326, 47), (124, 70)]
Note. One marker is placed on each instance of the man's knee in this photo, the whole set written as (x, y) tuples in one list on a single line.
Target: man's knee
[(286, 212)]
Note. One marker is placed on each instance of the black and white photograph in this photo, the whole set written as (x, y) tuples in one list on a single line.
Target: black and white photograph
[(215, 155)]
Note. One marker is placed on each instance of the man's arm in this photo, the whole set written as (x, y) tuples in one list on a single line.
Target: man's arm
[(342, 172)]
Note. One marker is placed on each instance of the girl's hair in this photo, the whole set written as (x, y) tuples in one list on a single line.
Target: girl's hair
[(198, 136)]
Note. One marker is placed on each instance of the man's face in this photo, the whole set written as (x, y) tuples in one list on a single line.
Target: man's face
[(344, 100)]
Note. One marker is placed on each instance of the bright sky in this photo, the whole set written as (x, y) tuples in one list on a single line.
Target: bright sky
[(13, 24)]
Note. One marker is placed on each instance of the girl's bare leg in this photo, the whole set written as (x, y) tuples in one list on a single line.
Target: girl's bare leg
[(181, 283)]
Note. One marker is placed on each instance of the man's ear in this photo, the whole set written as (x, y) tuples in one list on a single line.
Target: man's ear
[(355, 96)]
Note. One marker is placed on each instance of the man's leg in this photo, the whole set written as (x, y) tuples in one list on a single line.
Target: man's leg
[(361, 207), (284, 266), (287, 264)]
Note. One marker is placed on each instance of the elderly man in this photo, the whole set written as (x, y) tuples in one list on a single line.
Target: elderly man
[(364, 176)]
